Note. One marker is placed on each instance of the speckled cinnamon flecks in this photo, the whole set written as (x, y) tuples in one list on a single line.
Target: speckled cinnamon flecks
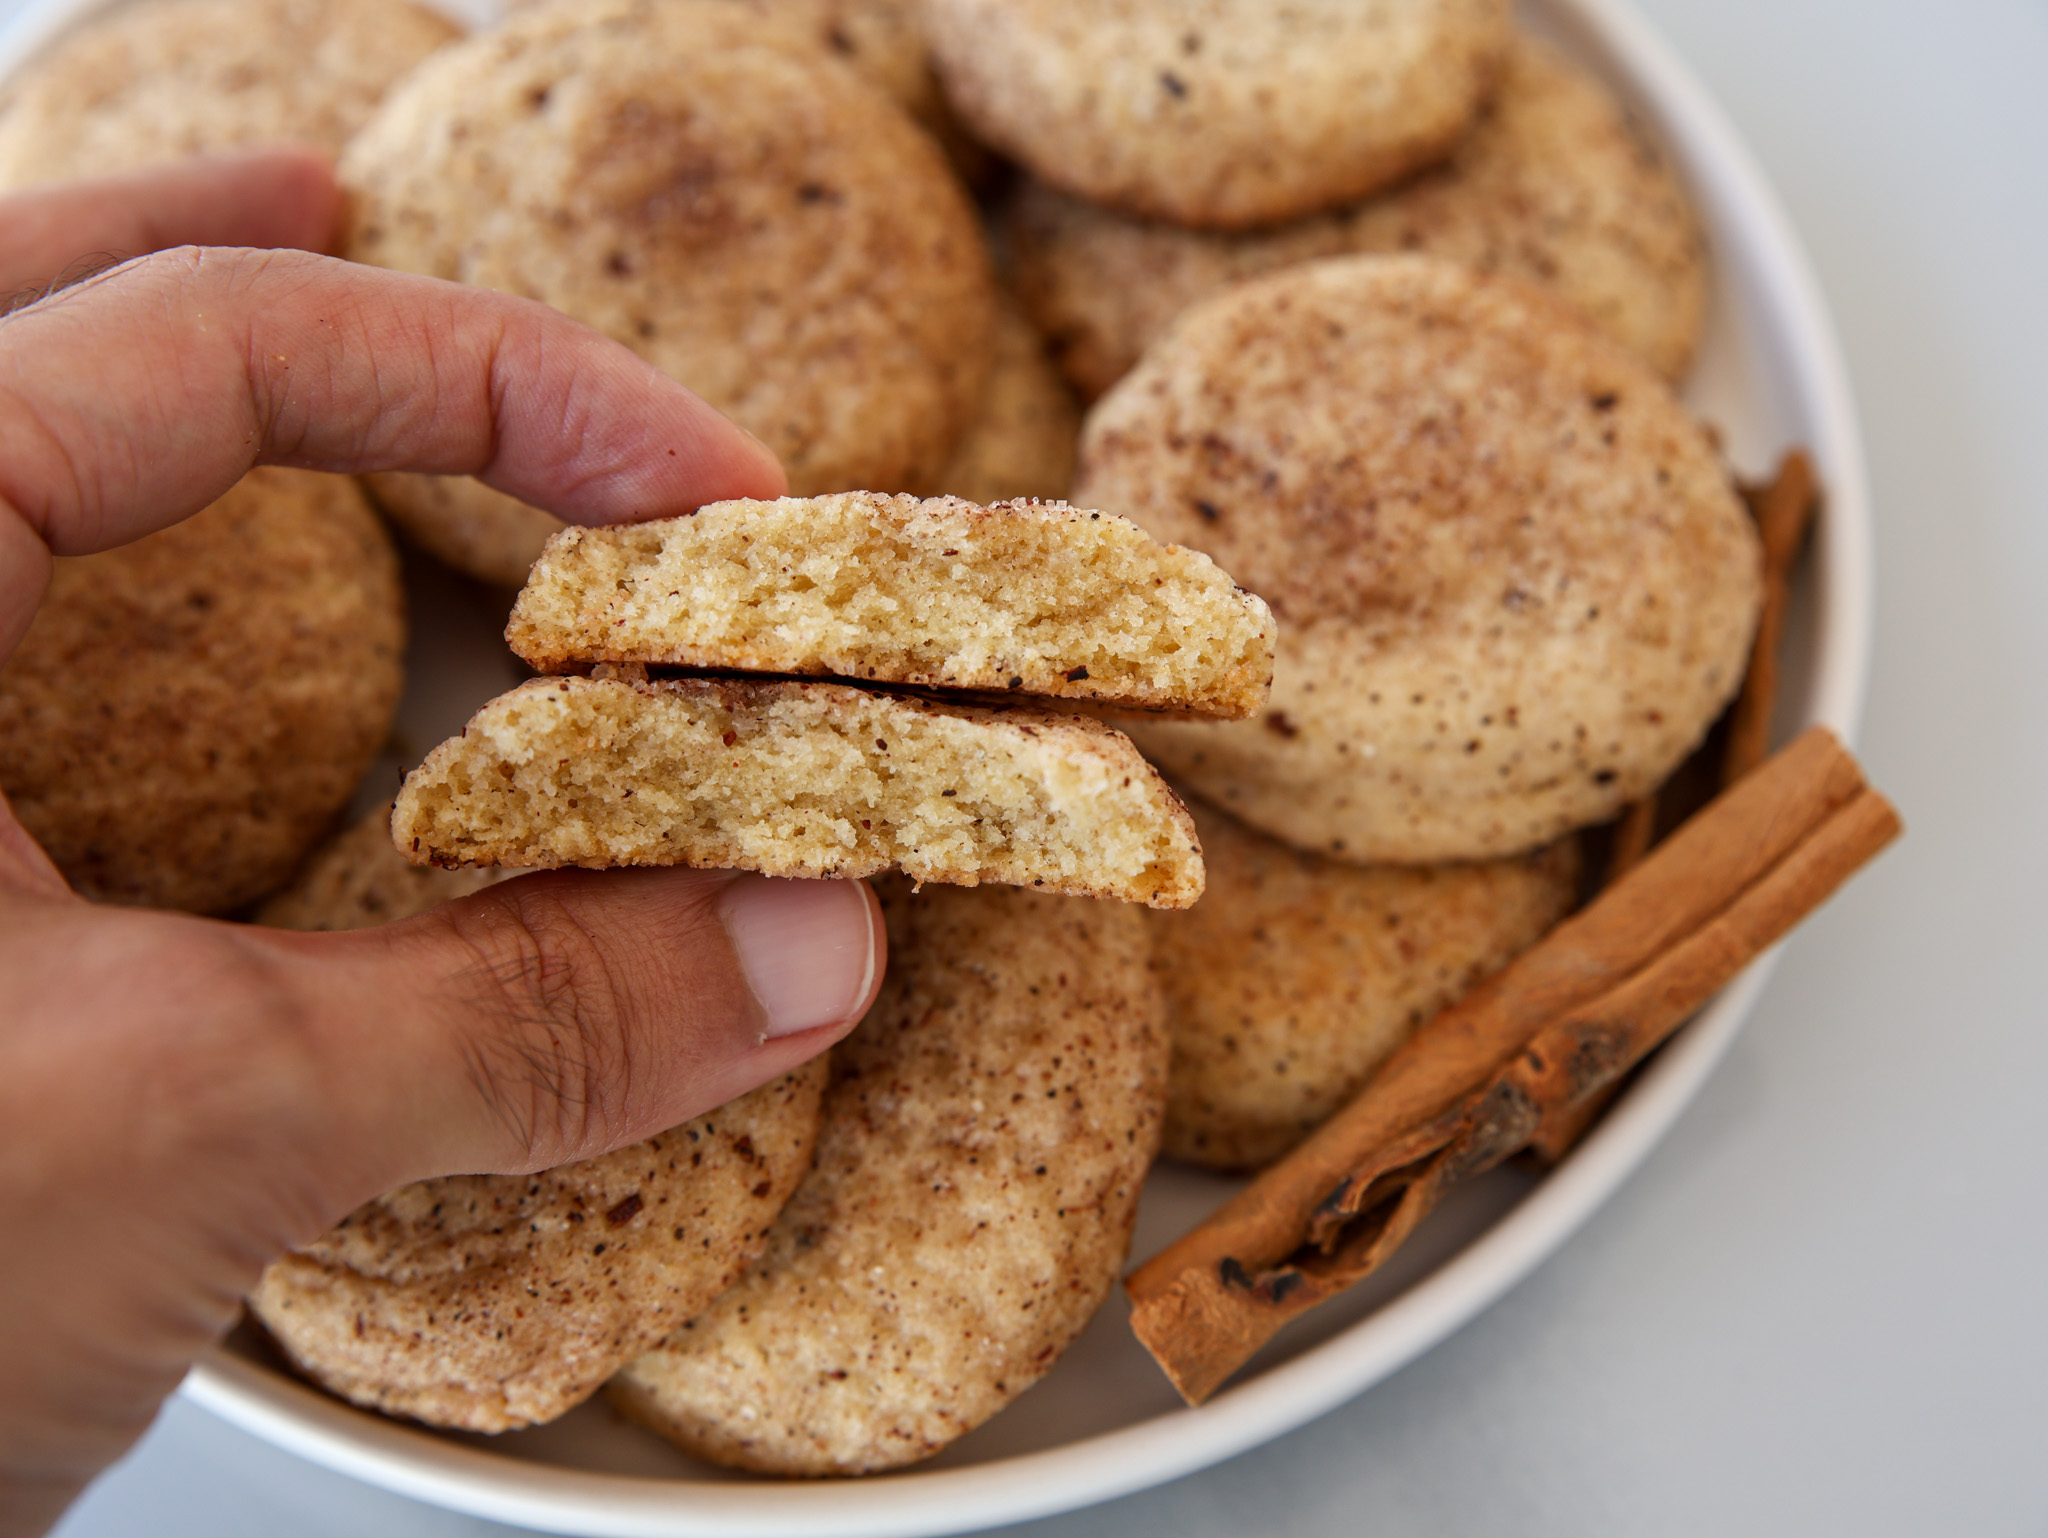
[(1513, 582), (985, 1136)]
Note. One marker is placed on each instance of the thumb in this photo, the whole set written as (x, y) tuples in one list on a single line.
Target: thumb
[(563, 1014)]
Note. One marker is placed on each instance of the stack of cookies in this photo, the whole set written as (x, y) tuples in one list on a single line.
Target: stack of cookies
[(1014, 1064), (788, 777)]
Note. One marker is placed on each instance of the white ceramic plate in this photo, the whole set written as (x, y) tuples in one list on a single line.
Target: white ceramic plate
[(1104, 1422)]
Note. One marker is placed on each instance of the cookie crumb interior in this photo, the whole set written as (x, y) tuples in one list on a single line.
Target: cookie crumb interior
[(799, 779), (1030, 597)]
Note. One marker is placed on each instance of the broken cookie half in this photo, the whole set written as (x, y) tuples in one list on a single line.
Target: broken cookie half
[(799, 779), (606, 765), (1022, 597)]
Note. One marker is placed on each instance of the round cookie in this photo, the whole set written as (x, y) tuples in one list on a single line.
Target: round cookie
[(1219, 113), (170, 78), (358, 879), (1021, 444), (718, 194), (488, 1302), (1514, 585), (881, 39), (187, 714), (985, 1135), (1553, 185), (1296, 976)]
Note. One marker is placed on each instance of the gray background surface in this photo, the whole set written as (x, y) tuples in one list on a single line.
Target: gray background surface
[(1817, 1306)]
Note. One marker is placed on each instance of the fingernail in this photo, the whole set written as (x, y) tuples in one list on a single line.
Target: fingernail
[(807, 948)]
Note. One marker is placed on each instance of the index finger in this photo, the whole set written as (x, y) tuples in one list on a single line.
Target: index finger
[(133, 400)]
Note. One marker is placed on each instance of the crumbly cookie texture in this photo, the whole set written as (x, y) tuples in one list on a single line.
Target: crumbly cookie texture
[(1514, 583), (188, 714), (985, 1136), (1297, 975), (489, 1302), (1033, 597), (358, 879), (1219, 113), (799, 779), (710, 188), (1553, 185), (170, 78), (1021, 444)]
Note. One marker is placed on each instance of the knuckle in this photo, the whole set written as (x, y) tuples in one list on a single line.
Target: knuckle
[(552, 1049)]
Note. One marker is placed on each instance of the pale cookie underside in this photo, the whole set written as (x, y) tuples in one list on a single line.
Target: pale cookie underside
[(984, 1142), (1554, 185), (799, 779), (488, 1302), (1514, 583), (1296, 976), (1034, 598), (1225, 113)]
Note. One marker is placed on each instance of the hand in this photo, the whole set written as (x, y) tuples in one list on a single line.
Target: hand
[(180, 1099)]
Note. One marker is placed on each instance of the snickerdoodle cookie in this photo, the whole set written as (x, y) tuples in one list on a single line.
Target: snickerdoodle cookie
[(1513, 582), (1030, 597), (1022, 441), (169, 78), (985, 1135), (1553, 185), (187, 714), (1296, 975), (1219, 113), (799, 779), (712, 190), (487, 1302)]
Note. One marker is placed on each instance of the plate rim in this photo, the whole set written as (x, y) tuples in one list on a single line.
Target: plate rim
[(1724, 174)]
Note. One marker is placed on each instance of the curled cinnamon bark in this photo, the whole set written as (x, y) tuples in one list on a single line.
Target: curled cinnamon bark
[(1526, 1051), (1784, 509)]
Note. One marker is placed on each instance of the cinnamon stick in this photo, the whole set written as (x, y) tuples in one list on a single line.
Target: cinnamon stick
[(1537, 1041), (1634, 831), (1784, 508)]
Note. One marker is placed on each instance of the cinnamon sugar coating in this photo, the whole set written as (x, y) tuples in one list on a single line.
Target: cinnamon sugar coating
[(985, 1137), (1553, 185), (1296, 976), (488, 1302), (165, 79), (1218, 113), (710, 188), (1513, 581), (188, 714)]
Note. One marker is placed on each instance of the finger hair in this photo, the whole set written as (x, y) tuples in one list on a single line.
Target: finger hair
[(85, 268)]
